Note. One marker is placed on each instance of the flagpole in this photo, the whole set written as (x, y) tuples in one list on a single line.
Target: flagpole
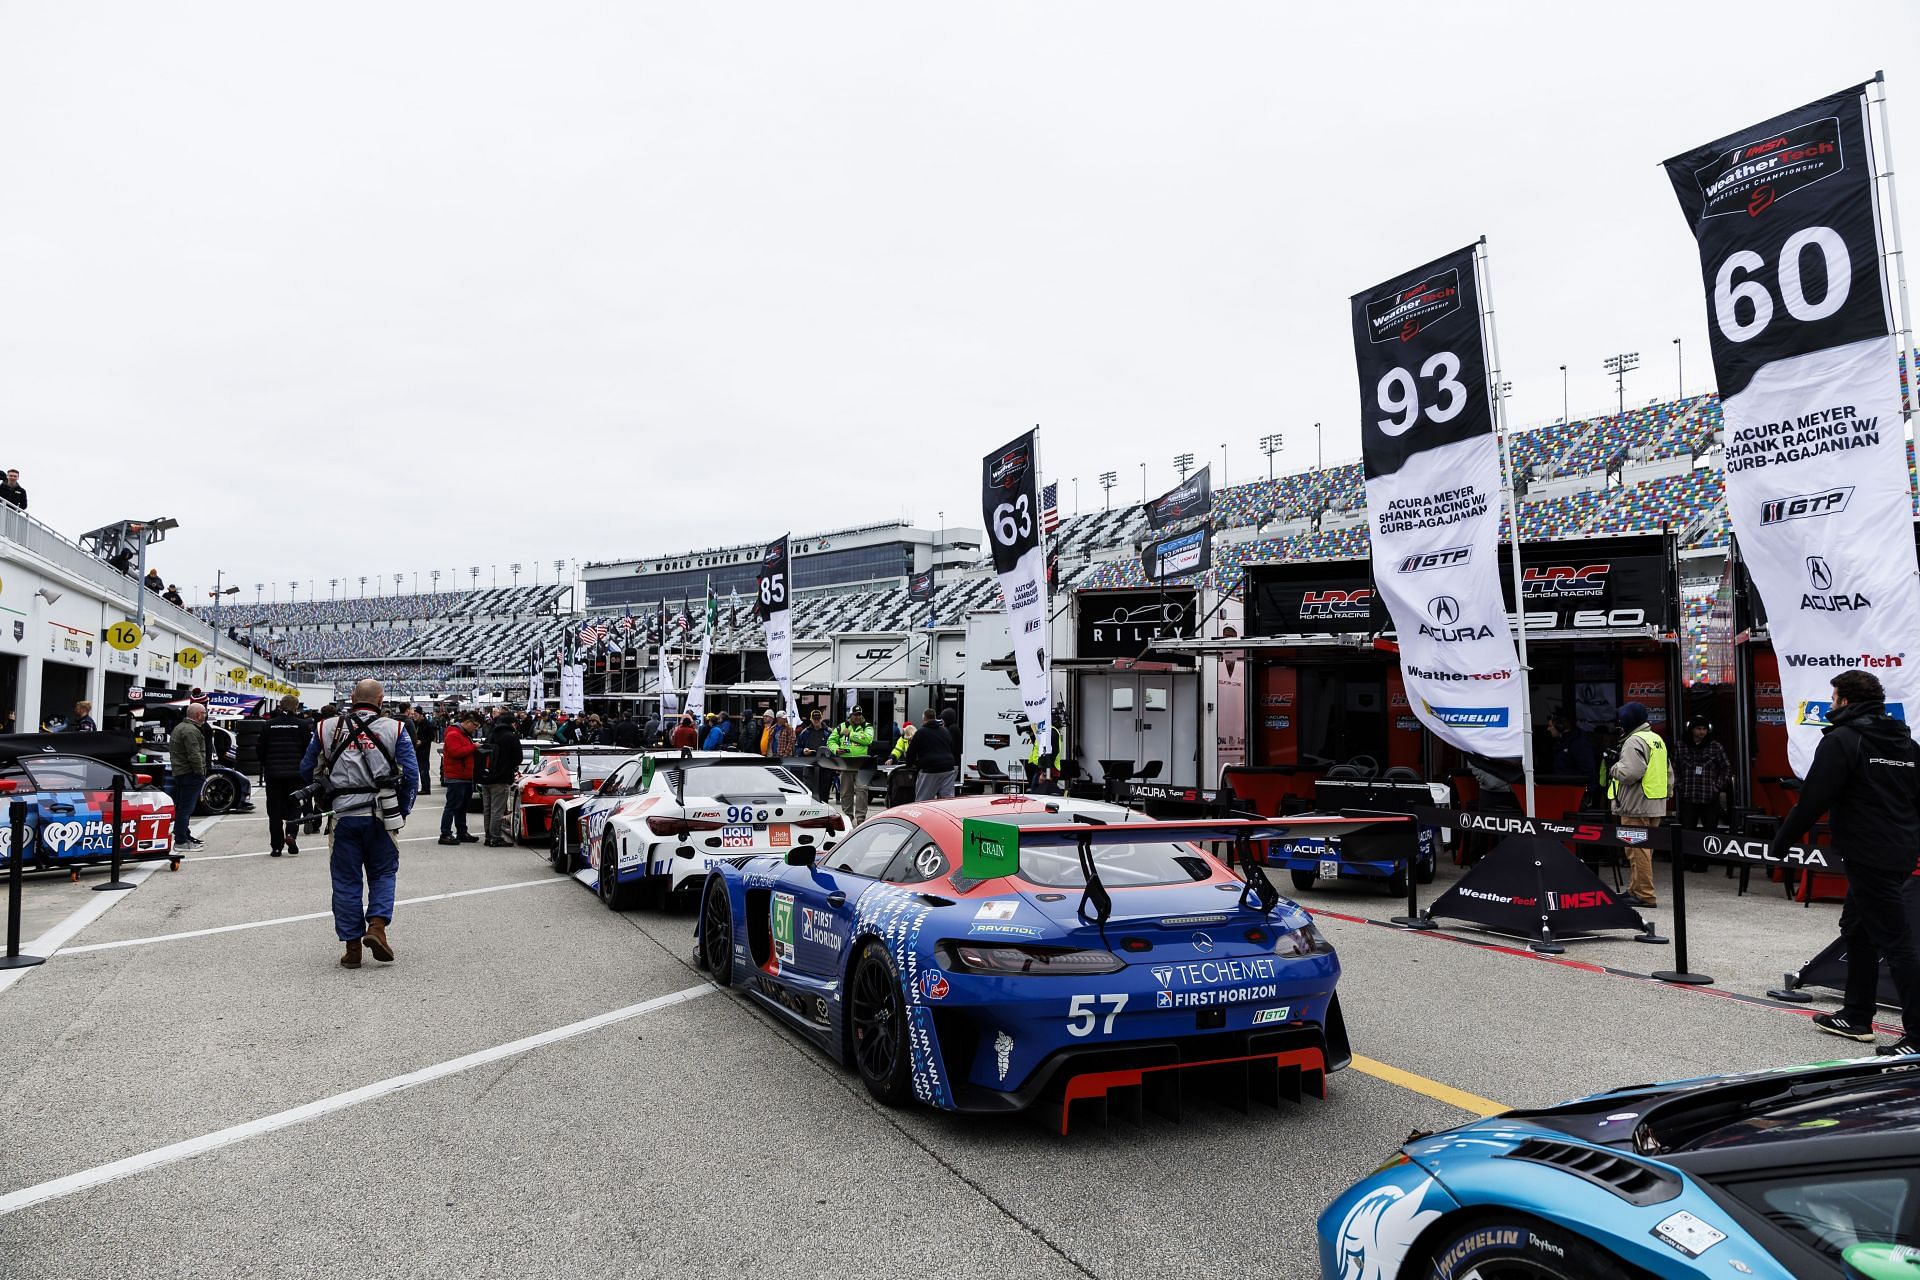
[(1513, 518), (1891, 222)]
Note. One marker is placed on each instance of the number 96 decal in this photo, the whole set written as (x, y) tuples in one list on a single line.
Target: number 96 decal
[(745, 813)]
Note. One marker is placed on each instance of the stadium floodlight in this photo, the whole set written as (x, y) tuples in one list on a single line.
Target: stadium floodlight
[(1270, 445), (515, 566), (1183, 463), (1108, 479), (363, 586), (1679, 370), (1563, 393), (1620, 366)]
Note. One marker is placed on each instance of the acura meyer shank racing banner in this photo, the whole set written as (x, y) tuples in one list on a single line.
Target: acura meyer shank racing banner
[(1183, 553), (1010, 504), (1433, 502), (775, 607), (1816, 470)]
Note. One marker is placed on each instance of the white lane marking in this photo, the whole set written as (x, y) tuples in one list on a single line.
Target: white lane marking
[(311, 915), (40, 1193), (227, 857), (97, 905)]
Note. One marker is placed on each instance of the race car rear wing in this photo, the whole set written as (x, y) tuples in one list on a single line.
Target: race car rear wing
[(992, 849)]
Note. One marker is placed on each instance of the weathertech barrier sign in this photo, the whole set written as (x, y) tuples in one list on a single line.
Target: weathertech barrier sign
[(1433, 501), (1010, 504), (1809, 380)]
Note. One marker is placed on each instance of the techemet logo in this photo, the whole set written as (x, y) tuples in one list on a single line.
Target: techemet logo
[(1805, 506)]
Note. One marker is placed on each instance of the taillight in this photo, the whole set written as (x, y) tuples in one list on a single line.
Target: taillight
[(832, 822), (681, 826)]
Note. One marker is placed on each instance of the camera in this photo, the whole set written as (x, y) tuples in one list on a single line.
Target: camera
[(317, 793), (386, 802)]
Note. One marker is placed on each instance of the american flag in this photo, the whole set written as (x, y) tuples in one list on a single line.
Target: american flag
[(626, 625), (592, 632), (1050, 508)]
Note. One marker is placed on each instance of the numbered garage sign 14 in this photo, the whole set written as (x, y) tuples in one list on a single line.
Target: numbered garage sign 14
[(124, 635)]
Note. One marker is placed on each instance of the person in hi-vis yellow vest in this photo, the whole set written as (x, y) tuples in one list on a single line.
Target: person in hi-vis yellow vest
[(1640, 779)]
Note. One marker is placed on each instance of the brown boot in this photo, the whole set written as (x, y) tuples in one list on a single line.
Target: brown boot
[(351, 960), (376, 940)]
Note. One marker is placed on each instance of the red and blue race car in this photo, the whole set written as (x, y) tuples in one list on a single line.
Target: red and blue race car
[(66, 783), (1001, 953)]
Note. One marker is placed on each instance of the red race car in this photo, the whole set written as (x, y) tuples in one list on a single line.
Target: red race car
[(65, 785), (559, 772)]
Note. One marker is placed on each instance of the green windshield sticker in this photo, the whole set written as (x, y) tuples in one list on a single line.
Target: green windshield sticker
[(988, 849), (646, 772), (1883, 1261)]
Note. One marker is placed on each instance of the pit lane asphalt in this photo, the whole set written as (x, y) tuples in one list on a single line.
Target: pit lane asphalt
[(701, 1139)]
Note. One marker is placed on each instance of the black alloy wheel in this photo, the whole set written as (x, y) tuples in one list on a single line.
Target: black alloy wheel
[(557, 850), (1512, 1246), (716, 933), (878, 1014), (611, 891), (217, 795)]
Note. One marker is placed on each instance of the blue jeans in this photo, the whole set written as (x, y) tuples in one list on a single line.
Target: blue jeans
[(185, 789), (458, 794), (361, 846)]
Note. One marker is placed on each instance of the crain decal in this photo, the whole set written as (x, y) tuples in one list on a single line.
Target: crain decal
[(1374, 1237)]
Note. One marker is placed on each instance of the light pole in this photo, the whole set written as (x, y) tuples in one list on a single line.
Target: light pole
[(213, 660), (1620, 366), (1223, 465), (333, 586), (516, 573), (1076, 495), (1108, 479), (1143, 482), (1183, 463), (1679, 371), (398, 578), (473, 577), (1271, 445), (1563, 393), (363, 586), (1319, 452)]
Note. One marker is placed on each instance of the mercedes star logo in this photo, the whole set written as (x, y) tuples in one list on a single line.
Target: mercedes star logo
[(1444, 610), (1201, 942), (1819, 574)]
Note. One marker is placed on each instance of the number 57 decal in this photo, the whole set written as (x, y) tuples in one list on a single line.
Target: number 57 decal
[(1083, 1012)]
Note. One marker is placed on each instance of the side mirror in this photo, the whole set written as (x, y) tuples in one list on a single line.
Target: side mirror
[(141, 779), (803, 855), (593, 784)]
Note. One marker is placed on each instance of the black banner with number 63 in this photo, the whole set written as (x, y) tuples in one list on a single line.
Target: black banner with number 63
[(1010, 505), (1423, 370)]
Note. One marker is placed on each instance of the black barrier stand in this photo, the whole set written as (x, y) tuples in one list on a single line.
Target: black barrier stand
[(1789, 990), (1546, 946), (114, 881), (13, 959), (1680, 974), (1413, 919)]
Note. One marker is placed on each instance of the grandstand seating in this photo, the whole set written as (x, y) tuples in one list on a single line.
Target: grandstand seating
[(491, 632)]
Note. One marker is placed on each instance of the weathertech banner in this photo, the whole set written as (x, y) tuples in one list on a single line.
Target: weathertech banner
[(1816, 467), (1010, 504), (1433, 502), (775, 607), (1191, 499)]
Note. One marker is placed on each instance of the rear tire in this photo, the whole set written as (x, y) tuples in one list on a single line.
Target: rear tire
[(1558, 1255), (1303, 879), (716, 933), (877, 1020), (612, 892), (217, 795), (557, 852), (1424, 869), (1397, 882)]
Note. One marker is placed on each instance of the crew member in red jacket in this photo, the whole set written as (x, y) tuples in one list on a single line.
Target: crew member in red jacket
[(685, 734), (456, 769)]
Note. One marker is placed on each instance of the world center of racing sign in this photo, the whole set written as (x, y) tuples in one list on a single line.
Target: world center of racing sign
[(1800, 327)]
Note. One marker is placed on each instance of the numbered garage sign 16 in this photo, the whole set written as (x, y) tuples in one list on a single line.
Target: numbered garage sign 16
[(124, 635)]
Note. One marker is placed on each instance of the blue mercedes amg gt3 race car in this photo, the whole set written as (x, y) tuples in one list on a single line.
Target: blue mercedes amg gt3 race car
[(1802, 1172), (1002, 953)]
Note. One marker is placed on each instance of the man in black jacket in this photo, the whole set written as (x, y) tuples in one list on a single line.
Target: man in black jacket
[(12, 492), (1866, 774), (503, 762), (282, 745), (931, 751)]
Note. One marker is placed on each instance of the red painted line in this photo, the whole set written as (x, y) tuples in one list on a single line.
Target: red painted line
[(1586, 966)]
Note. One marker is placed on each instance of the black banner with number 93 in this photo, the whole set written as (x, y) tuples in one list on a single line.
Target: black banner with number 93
[(1423, 370)]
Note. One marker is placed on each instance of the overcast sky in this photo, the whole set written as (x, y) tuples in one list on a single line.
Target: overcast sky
[(359, 289)]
